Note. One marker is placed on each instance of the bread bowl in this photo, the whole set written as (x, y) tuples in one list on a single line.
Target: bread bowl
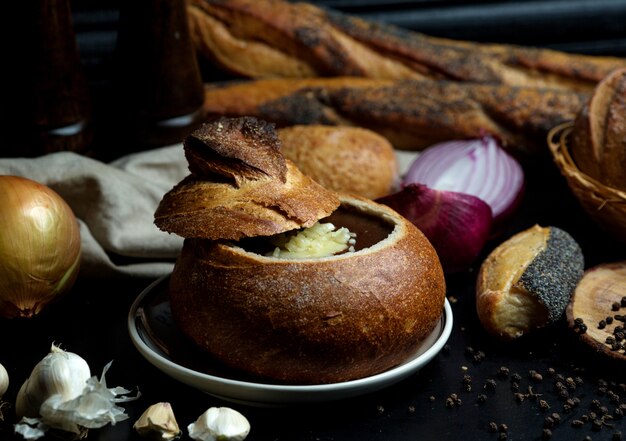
[(294, 319)]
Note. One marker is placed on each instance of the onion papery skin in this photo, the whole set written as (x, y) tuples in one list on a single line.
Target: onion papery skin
[(456, 224), (478, 167), (39, 246)]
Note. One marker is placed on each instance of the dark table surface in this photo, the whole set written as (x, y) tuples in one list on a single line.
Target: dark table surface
[(92, 321)]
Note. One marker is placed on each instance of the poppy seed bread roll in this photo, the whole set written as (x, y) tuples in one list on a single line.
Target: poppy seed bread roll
[(526, 282)]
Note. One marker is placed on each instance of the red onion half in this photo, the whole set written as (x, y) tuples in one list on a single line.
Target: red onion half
[(479, 167), (456, 224)]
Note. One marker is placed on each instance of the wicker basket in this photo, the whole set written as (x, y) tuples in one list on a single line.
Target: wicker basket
[(606, 205)]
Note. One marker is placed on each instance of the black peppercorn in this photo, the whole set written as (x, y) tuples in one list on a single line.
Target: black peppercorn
[(615, 306), (623, 301), (490, 384), (602, 324), (516, 377), (503, 372), (546, 434), (543, 405), (556, 417), (493, 427), (577, 423), (548, 422), (609, 320), (597, 425)]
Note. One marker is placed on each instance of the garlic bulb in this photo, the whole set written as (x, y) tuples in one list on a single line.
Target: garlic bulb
[(61, 394), (219, 424), (158, 423)]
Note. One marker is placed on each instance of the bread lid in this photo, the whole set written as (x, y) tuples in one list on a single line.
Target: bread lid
[(240, 186)]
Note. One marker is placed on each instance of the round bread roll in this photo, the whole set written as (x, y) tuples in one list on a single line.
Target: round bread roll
[(313, 320), (526, 282), (344, 159)]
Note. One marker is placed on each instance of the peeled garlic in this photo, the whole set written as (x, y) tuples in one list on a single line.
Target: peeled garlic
[(61, 394), (220, 424), (158, 422)]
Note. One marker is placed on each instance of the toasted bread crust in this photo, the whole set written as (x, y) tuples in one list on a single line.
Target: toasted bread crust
[(240, 186), (315, 320)]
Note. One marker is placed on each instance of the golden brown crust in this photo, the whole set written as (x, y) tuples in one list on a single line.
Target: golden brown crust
[(316, 320), (240, 186), (411, 114), (599, 133), (269, 38), (526, 282), (344, 159)]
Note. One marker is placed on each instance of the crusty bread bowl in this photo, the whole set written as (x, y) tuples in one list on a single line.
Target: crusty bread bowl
[(296, 320)]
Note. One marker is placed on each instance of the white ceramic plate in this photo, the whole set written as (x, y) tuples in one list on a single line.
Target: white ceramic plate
[(156, 337)]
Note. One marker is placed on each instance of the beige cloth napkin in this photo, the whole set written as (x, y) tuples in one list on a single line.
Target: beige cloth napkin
[(114, 203)]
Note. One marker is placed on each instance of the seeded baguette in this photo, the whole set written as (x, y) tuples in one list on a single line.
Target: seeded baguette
[(311, 321), (526, 282), (411, 114), (276, 38)]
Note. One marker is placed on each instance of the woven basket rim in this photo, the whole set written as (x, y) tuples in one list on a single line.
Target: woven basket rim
[(559, 143)]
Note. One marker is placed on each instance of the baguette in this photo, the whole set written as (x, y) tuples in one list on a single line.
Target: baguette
[(275, 38), (411, 114)]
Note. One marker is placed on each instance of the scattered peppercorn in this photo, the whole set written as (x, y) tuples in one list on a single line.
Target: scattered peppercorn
[(615, 306), (502, 436), (490, 384), (493, 427), (543, 405), (514, 386), (516, 377), (503, 372), (602, 324), (411, 409), (556, 417), (548, 422), (546, 434), (577, 423), (609, 320), (597, 425), (570, 383), (481, 398), (623, 301), (536, 376)]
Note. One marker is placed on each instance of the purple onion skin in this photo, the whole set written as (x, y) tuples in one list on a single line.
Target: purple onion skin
[(456, 224)]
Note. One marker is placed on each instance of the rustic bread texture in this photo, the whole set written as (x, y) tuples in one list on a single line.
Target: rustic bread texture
[(311, 321), (526, 282), (276, 38), (412, 115), (598, 143), (240, 186), (344, 159)]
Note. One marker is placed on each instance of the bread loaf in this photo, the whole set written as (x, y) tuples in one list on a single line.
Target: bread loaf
[(343, 159), (292, 317), (598, 143), (276, 38), (411, 114)]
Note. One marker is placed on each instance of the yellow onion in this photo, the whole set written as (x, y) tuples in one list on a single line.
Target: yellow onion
[(39, 246)]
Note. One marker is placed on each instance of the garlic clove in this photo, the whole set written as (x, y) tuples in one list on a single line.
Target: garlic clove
[(4, 381), (219, 424), (158, 423)]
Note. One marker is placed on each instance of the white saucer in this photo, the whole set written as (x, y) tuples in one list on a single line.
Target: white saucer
[(156, 337)]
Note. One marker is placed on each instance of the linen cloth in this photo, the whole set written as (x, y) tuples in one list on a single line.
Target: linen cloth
[(115, 204)]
